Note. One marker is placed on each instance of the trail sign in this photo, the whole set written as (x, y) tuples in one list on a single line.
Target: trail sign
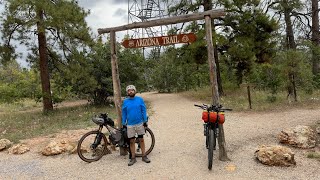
[(159, 41)]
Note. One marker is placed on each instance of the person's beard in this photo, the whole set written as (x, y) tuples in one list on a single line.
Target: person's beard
[(132, 94)]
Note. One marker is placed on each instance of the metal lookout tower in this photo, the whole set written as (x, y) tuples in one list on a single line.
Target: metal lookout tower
[(146, 10)]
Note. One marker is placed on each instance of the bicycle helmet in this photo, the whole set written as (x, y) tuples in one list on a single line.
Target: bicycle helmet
[(131, 87)]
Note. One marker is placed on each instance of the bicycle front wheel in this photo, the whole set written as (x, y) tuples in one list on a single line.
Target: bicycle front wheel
[(92, 146), (211, 141), (149, 142)]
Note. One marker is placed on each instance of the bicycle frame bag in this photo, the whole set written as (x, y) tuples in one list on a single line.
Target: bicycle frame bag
[(115, 135), (124, 138)]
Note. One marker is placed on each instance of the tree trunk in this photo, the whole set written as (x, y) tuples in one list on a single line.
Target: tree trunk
[(44, 69), (294, 88), (216, 57), (290, 43), (315, 38)]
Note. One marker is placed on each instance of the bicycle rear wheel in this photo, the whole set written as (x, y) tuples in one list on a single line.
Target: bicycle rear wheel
[(92, 146), (149, 142), (212, 142)]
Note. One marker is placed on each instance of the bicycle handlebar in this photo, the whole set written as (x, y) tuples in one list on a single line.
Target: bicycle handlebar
[(213, 108), (198, 105)]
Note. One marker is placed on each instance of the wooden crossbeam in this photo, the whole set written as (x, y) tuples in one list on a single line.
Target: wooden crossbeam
[(170, 20)]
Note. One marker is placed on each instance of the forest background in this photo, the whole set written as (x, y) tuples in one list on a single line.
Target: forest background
[(271, 45)]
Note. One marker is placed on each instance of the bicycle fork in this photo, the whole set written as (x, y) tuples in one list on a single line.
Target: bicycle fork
[(206, 134), (215, 128), (97, 139), (216, 134)]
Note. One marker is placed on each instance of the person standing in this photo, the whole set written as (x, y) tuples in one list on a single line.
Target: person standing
[(134, 118)]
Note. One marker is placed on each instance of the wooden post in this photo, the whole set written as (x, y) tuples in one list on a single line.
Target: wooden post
[(248, 86), (116, 82), (249, 96), (211, 61), (214, 86)]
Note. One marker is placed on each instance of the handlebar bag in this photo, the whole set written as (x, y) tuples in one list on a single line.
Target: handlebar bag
[(205, 116), (209, 116), (221, 118), (212, 117)]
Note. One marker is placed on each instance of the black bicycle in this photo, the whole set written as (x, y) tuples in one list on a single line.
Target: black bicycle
[(93, 145), (212, 117)]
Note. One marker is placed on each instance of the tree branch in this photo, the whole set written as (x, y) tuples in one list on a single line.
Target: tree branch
[(11, 34)]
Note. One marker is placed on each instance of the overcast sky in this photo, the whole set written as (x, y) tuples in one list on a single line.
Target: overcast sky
[(106, 13), (103, 14)]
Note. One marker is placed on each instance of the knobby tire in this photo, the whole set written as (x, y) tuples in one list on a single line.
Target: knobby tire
[(211, 142), (84, 148), (150, 148)]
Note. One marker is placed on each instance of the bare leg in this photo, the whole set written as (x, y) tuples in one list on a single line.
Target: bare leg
[(133, 153), (142, 145), (133, 147), (143, 149)]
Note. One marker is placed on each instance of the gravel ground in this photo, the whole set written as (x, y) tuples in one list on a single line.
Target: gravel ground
[(179, 152)]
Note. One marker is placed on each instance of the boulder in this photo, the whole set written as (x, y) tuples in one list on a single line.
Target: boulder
[(4, 144), (318, 129), (74, 150), (300, 136), (275, 155), (54, 148), (18, 149)]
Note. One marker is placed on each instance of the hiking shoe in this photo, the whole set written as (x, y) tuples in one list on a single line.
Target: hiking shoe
[(132, 161), (146, 159)]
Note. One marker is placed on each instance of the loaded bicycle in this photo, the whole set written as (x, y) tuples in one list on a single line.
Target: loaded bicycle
[(212, 116), (93, 145)]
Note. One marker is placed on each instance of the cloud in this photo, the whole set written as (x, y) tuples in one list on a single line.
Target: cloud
[(92, 3), (105, 13), (120, 12), (119, 1)]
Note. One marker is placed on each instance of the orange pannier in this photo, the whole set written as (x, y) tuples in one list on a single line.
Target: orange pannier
[(213, 117), (205, 117), (221, 118)]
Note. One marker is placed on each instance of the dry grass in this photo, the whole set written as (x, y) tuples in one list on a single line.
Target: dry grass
[(314, 155), (32, 122), (22, 105), (237, 99)]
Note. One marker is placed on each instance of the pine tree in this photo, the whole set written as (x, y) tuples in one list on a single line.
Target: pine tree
[(59, 27)]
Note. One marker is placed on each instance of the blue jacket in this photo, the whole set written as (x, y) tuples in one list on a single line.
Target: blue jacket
[(134, 111)]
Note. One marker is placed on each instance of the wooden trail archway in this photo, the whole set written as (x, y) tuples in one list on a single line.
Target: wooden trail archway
[(208, 16)]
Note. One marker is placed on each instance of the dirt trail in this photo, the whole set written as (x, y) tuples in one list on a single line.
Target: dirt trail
[(179, 152)]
